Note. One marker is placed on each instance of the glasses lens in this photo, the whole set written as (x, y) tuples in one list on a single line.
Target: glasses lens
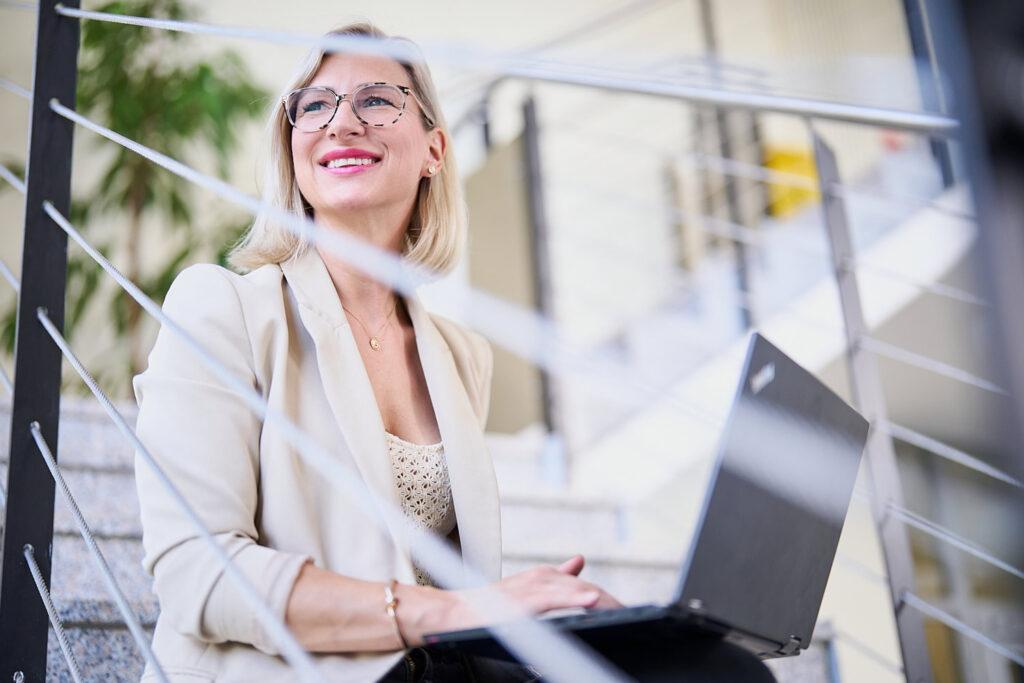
[(378, 105), (310, 108)]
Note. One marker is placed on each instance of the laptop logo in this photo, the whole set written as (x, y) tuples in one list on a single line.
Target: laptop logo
[(762, 378)]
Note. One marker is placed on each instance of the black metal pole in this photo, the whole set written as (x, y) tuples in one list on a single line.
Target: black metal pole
[(37, 361)]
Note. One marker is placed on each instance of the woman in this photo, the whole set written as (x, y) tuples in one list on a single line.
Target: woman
[(397, 395)]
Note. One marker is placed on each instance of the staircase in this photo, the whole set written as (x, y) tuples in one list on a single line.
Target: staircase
[(540, 525)]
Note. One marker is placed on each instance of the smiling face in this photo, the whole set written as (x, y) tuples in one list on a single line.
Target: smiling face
[(350, 169)]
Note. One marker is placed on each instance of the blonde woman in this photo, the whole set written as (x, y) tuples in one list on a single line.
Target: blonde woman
[(400, 396)]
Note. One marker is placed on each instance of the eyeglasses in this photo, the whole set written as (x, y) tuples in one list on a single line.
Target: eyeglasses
[(374, 104)]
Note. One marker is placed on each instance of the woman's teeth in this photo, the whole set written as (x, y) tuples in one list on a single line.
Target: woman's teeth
[(351, 161)]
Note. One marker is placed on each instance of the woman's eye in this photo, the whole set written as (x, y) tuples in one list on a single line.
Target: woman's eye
[(376, 101), (310, 107)]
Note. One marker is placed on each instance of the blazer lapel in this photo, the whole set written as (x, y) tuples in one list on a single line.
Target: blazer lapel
[(474, 488), (348, 389), (346, 384)]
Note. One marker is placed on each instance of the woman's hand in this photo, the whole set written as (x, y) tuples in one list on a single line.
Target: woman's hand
[(537, 590), (547, 587)]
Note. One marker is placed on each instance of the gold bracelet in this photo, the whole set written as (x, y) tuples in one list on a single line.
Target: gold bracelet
[(391, 608)]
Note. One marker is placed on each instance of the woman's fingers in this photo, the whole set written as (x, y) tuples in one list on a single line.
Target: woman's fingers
[(574, 565)]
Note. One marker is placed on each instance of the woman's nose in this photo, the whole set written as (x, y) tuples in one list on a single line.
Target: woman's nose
[(345, 120)]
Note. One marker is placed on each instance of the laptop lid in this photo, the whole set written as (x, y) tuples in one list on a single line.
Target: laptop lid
[(778, 495)]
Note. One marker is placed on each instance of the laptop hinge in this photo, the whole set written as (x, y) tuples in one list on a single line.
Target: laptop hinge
[(790, 647)]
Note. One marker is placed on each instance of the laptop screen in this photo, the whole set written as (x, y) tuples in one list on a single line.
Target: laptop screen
[(776, 502)]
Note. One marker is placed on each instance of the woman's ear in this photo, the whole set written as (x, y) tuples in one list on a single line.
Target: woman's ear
[(437, 146)]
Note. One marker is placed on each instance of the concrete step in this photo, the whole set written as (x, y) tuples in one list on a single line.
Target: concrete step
[(79, 591), (102, 654), (107, 499), (87, 438)]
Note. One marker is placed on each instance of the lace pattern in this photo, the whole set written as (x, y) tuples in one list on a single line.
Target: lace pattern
[(421, 475)]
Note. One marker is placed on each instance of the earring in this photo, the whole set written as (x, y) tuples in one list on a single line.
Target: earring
[(432, 170)]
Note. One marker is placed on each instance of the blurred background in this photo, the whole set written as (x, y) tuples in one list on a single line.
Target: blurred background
[(656, 231)]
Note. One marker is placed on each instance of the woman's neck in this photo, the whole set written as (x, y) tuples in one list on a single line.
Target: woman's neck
[(370, 300)]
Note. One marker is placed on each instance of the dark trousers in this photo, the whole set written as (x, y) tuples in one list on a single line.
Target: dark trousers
[(691, 661), (430, 666)]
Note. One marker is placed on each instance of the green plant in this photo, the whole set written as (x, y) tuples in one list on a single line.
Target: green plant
[(146, 85)]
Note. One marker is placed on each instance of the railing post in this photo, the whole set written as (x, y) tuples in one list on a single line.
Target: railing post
[(555, 456), (869, 397), (37, 362)]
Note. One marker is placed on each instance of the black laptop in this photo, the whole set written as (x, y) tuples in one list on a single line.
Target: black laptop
[(767, 533)]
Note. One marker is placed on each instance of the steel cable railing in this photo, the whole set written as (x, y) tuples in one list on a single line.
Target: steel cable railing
[(8, 274), (131, 620), (871, 653), (58, 112), (941, 533), (520, 330), (561, 659), (748, 236), (13, 4), (548, 70), (16, 89), (948, 452), (897, 353), (937, 531), (964, 629), (752, 238), (16, 182), (51, 611), (291, 649), (749, 171)]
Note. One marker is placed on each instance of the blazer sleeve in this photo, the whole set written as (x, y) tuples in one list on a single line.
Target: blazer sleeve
[(206, 439)]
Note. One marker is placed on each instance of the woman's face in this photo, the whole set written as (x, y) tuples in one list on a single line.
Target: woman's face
[(401, 153)]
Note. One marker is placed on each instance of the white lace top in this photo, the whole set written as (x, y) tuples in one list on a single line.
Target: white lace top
[(421, 474)]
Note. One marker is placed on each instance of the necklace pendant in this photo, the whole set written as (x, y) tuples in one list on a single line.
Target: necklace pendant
[(375, 343)]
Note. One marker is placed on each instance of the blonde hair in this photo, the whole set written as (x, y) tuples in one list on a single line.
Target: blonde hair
[(436, 234)]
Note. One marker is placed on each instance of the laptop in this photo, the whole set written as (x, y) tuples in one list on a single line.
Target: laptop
[(767, 532)]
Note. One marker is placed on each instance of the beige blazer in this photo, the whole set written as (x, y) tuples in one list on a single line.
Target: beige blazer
[(281, 330)]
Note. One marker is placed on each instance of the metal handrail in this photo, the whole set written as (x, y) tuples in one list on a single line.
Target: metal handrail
[(559, 72)]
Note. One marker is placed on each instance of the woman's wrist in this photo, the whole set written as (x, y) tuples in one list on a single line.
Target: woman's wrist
[(422, 610)]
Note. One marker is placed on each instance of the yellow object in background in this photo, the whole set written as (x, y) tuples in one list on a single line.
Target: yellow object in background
[(786, 198)]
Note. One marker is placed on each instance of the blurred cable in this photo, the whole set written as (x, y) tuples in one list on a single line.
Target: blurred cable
[(946, 451), (15, 88), (8, 175), (962, 628), (8, 274), (863, 648), (584, 75), (12, 4), (897, 353), (943, 534)]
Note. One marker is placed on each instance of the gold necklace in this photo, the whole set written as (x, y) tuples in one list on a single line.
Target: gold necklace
[(374, 338)]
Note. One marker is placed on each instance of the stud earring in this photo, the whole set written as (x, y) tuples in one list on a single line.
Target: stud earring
[(432, 170)]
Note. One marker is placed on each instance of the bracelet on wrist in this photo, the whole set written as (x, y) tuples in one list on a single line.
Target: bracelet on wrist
[(391, 608)]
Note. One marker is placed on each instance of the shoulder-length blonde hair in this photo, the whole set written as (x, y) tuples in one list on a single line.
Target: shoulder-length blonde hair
[(436, 233)]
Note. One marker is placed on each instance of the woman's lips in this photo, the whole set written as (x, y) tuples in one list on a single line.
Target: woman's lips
[(350, 170)]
